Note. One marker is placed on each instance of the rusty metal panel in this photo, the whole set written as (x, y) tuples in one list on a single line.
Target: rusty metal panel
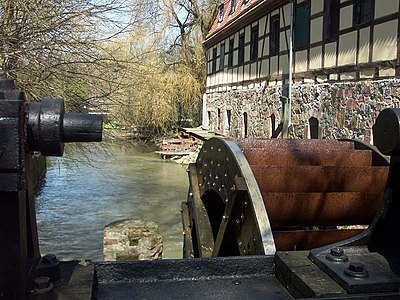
[(291, 240), (299, 144), (320, 179), (314, 157), (318, 209)]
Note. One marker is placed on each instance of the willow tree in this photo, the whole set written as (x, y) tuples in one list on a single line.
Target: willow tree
[(52, 47)]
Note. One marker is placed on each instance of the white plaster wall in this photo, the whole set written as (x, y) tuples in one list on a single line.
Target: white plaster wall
[(301, 61), (264, 67), (385, 7), (330, 55), (283, 42), (247, 53), (274, 65), (363, 52), (347, 48), (316, 30), (317, 6), (316, 57), (246, 75), (247, 34), (385, 41), (284, 64), (346, 17)]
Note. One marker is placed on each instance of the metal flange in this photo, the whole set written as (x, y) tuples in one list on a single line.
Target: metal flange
[(49, 127)]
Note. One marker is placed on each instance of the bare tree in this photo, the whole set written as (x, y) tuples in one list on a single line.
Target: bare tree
[(53, 47)]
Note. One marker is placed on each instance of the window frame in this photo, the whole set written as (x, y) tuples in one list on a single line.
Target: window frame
[(241, 48), (300, 44), (233, 7), (254, 43), (230, 52), (221, 57), (358, 17), (214, 61), (221, 13), (331, 19), (274, 35)]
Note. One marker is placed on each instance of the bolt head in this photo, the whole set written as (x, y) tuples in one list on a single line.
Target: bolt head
[(337, 252), (49, 258), (356, 267), (41, 283)]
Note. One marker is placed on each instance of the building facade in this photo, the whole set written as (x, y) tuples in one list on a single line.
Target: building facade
[(345, 67)]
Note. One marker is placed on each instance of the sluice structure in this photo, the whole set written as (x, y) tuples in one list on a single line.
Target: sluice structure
[(264, 218)]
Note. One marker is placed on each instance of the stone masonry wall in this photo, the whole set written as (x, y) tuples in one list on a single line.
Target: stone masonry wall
[(344, 110)]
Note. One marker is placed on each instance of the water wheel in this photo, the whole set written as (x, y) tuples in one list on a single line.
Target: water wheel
[(256, 196)]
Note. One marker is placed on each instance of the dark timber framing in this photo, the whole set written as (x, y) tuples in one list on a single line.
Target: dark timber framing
[(268, 11)]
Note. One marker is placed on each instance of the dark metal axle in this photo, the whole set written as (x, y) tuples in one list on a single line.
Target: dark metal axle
[(49, 127)]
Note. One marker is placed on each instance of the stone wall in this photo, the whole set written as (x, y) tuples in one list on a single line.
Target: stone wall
[(344, 110), (132, 240)]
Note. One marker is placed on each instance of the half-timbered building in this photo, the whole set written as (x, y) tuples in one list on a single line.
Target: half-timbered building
[(325, 67)]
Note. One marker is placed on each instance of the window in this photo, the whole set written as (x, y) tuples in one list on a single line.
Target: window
[(221, 13), (362, 11), (233, 6), (314, 127), (254, 43), (219, 119), (222, 57), (274, 35), (241, 49), (302, 25), (245, 125), (331, 18), (214, 61), (228, 118), (230, 53)]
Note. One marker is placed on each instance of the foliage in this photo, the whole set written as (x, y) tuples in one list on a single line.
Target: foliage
[(140, 63)]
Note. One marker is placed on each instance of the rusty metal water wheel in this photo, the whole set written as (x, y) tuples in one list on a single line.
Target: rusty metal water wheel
[(256, 196)]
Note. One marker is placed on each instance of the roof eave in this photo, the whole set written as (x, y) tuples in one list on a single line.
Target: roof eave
[(248, 16)]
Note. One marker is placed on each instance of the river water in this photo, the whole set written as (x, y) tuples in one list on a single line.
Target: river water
[(92, 186)]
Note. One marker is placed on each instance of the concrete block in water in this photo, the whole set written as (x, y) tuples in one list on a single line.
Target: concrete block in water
[(132, 240)]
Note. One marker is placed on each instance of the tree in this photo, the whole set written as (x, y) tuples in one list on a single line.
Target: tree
[(48, 45)]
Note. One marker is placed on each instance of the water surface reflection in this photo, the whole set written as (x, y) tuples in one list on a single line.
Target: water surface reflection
[(91, 187)]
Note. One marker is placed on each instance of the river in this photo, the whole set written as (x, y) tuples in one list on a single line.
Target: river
[(92, 186)]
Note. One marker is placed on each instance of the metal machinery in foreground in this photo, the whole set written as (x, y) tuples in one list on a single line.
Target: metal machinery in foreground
[(267, 219)]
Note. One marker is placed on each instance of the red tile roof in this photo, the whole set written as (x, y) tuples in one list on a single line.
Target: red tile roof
[(241, 7), (246, 11)]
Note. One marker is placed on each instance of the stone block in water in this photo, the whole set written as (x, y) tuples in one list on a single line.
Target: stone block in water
[(132, 240)]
